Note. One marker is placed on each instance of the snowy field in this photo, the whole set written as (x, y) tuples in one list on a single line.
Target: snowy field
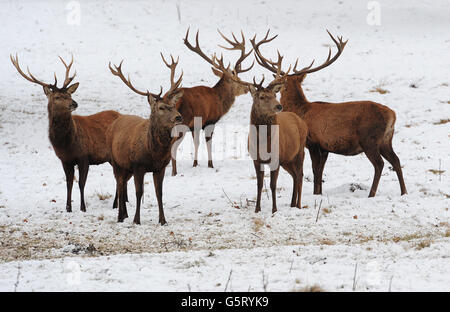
[(390, 242)]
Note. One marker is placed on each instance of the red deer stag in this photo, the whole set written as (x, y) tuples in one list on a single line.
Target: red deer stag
[(77, 140), (210, 104), (141, 145), (275, 138), (347, 128)]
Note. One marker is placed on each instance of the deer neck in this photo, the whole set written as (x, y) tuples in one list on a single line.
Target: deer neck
[(61, 128), (225, 94), (159, 137), (294, 100), (258, 118)]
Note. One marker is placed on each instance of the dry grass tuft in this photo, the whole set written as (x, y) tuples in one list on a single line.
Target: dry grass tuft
[(326, 241), (423, 244), (258, 223), (313, 288), (103, 196), (379, 89), (435, 171), (442, 121)]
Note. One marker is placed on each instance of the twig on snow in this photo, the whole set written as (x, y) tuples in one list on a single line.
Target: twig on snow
[(354, 277), (228, 281), (320, 205), (233, 204), (16, 284), (265, 281)]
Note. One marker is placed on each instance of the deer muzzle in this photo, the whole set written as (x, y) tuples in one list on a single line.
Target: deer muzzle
[(73, 106), (178, 120)]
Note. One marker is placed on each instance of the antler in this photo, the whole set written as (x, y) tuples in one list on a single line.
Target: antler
[(67, 79), (30, 78), (240, 46), (340, 47), (274, 67), (33, 79), (118, 72), (197, 49), (173, 84), (218, 64)]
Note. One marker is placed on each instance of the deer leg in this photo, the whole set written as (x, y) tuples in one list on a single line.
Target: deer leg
[(174, 154), (300, 178), (323, 160), (119, 174), (158, 178), (273, 188), (388, 153), (125, 193), (69, 171), (314, 153), (83, 169), (115, 199), (260, 180), (375, 158), (139, 184), (208, 138), (289, 168), (195, 137)]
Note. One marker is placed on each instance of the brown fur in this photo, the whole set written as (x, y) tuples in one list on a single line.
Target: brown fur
[(138, 146), (77, 140), (210, 104), (292, 139), (344, 128)]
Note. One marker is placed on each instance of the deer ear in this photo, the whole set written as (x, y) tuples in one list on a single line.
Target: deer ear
[(73, 88), (301, 78), (277, 88), (175, 97), (252, 89), (151, 100), (216, 72), (47, 90)]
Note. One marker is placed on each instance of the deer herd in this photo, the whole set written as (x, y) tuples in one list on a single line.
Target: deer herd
[(134, 145)]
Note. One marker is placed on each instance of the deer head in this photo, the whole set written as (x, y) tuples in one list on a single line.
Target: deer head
[(59, 99), (264, 98), (236, 87), (163, 109)]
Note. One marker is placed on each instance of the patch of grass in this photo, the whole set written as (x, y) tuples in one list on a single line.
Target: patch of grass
[(442, 121), (103, 196), (313, 288), (423, 244), (258, 223), (447, 233), (435, 171), (379, 89), (326, 210), (326, 241)]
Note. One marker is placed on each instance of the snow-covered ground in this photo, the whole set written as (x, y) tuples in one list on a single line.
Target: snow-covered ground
[(391, 242)]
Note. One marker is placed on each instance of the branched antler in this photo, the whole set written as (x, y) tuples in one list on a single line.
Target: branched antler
[(173, 84), (197, 49), (67, 79), (118, 72), (240, 46), (340, 44), (31, 78)]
